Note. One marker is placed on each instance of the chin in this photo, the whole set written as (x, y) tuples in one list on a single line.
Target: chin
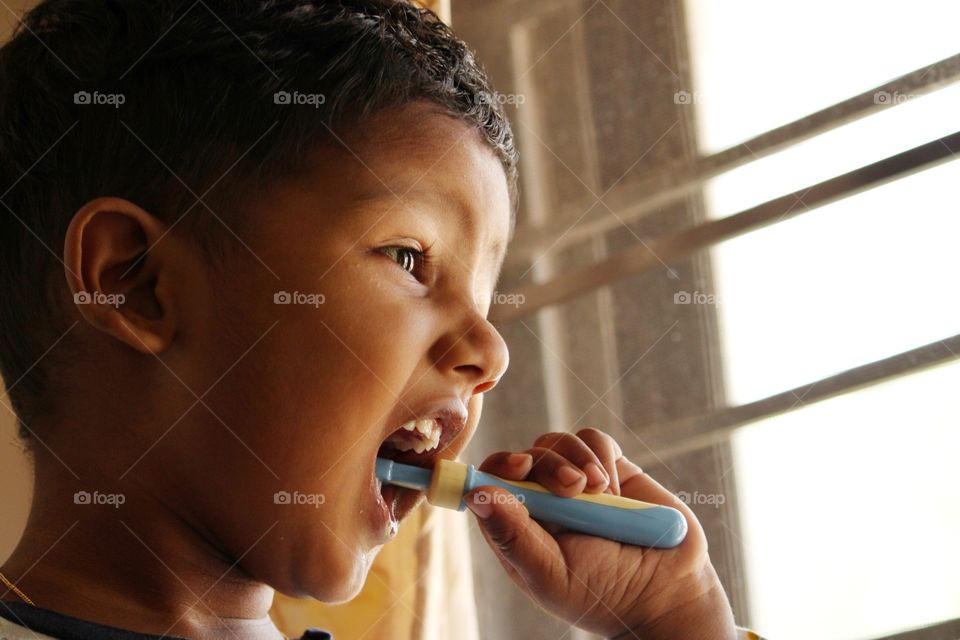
[(337, 589)]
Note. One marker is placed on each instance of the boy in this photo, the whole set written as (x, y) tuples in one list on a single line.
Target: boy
[(229, 221)]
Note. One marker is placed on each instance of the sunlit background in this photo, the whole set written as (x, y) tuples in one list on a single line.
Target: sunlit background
[(849, 513)]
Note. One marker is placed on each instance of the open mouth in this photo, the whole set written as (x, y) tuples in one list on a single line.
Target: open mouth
[(420, 436), (420, 442)]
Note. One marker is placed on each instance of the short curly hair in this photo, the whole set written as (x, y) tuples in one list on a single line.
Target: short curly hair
[(157, 101)]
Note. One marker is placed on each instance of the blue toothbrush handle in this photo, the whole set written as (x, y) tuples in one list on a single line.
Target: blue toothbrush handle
[(598, 514)]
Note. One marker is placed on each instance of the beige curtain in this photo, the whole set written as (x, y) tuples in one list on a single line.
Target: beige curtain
[(439, 7)]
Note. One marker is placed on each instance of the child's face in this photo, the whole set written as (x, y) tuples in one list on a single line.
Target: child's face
[(312, 388)]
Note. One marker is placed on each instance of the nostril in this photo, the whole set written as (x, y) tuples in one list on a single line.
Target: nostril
[(486, 386)]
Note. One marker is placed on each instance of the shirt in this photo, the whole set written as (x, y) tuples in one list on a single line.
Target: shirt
[(20, 621)]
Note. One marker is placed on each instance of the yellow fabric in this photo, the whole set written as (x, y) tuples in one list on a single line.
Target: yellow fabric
[(420, 588), (446, 605)]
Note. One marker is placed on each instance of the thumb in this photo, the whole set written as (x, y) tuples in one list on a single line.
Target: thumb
[(519, 542)]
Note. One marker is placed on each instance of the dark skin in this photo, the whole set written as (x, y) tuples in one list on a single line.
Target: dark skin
[(213, 398)]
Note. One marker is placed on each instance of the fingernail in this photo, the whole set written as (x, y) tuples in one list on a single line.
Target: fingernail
[(518, 459), (568, 475), (595, 475), (482, 508)]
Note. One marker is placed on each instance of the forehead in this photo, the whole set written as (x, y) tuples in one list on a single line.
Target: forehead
[(418, 154)]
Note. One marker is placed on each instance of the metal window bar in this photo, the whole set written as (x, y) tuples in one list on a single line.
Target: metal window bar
[(948, 630), (673, 182), (654, 253), (692, 433)]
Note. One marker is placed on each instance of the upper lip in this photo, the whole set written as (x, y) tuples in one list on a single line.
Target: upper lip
[(451, 413)]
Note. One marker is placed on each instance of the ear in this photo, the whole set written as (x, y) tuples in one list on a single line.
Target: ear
[(119, 274)]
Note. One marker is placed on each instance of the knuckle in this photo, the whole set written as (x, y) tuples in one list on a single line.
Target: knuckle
[(590, 432), (601, 439), (548, 437), (541, 454), (495, 459), (595, 437), (507, 541), (504, 537)]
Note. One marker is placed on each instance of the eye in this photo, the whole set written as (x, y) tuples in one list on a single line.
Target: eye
[(407, 257)]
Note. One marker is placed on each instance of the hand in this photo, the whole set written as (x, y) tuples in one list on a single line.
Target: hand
[(593, 583)]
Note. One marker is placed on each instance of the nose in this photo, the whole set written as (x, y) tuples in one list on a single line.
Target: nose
[(474, 353)]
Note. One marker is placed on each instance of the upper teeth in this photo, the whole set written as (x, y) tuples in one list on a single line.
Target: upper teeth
[(427, 432)]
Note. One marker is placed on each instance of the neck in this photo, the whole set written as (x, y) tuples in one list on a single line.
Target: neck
[(139, 566)]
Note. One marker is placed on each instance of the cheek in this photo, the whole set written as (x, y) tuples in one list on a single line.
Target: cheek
[(301, 395), (308, 378)]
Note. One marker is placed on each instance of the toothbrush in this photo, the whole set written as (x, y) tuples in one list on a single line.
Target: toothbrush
[(598, 514)]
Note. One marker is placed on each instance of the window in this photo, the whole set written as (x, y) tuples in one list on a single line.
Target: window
[(847, 512), (835, 494), (736, 247)]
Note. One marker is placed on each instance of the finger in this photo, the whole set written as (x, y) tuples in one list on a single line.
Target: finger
[(607, 451), (636, 484), (627, 470), (556, 473), (508, 464), (514, 466), (517, 540), (576, 451)]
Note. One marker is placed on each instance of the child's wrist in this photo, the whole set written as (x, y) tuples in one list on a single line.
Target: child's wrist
[(707, 617)]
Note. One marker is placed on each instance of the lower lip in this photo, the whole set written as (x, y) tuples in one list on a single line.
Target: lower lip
[(392, 504)]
